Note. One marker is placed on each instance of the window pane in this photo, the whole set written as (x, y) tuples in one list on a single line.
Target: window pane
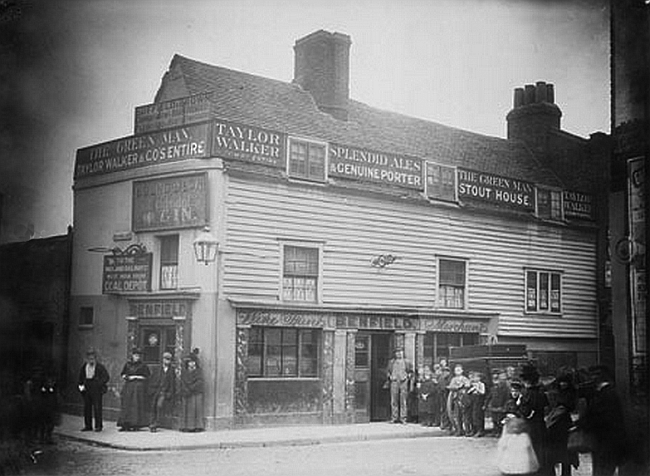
[(316, 162), (543, 203), (273, 365), (556, 205), (452, 272), (543, 291), (151, 345), (555, 293), (290, 360), (170, 340), (169, 249), (531, 291), (168, 276), (254, 364), (298, 159)]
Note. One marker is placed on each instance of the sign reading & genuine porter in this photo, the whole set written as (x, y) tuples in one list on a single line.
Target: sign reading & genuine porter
[(174, 202), (127, 273), (178, 112), (247, 143), (496, 189), (367, 165), (142, 150)]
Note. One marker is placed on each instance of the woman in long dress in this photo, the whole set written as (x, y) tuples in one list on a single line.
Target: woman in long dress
[(133, 411), (191, 394)]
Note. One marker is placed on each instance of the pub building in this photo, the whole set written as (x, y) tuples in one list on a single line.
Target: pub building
[(340, 233)]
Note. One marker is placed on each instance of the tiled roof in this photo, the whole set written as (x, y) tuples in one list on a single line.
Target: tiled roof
[(286, 107)]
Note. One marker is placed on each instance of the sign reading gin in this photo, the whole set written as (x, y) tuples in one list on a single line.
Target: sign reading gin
[(174, 202), (496, 189), (127, 273)]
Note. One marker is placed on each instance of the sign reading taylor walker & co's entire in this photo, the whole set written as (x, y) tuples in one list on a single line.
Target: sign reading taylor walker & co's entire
[(496, 189), (363, 164), (178, 112), (247, 143), (141, 150), (175, 202), (127, 273)]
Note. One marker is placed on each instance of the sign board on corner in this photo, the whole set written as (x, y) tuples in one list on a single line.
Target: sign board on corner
[(174, 113), (127, 273)]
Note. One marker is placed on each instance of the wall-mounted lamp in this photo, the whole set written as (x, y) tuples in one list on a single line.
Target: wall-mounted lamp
[(382, 261), (205, 247)]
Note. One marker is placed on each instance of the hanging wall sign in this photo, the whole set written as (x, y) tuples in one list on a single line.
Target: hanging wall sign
[(496, 189), (128, 272), (141, 150), (178, 112), (372, 166), (174, 202), (249, 144)]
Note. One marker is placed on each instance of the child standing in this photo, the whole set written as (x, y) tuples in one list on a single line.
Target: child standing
[(426, 397), (457, 400), (477, 401)]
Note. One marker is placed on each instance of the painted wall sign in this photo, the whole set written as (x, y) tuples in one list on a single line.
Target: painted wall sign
[(454, 325), (637, 230), (372, 166), (178, 112), (158, 309), (376, 322), (250, 144), (142, 150), (283, 318), (127, 273), (441, 182), (578, 205), (175, 202), (496, 189)]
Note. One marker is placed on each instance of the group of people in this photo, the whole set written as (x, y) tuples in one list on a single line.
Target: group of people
[(147, 398), (546, 414)]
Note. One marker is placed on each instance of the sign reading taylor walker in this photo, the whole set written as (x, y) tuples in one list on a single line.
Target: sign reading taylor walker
[(247, 143), (175, 202), (127, 273), (147, 149)]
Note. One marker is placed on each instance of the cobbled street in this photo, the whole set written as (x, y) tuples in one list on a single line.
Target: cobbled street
[(440, 456)]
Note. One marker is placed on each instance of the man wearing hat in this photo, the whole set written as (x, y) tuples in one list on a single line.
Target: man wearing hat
[(162, 389), (398, 374), (93, 380)]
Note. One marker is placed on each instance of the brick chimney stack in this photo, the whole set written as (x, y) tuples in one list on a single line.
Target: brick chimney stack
[(534, 114), (322, 67)]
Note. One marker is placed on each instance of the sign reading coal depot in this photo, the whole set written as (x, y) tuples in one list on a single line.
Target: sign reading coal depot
[(496, 189), (142, 150), (175, 202), (381, 167), (127, 273), (247, 143)]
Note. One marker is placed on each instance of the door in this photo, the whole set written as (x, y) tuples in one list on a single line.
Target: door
[(371, 355)]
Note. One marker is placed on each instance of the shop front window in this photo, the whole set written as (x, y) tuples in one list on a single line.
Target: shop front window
[(283, 352)]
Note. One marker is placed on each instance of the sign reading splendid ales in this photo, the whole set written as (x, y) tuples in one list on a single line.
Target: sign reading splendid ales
[(127, 273), (247, 143), (381, 167), (178, 112), (175, 202), (141, 150), (496, 189)]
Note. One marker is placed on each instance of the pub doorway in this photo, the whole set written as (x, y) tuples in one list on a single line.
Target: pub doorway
[(373, 350)]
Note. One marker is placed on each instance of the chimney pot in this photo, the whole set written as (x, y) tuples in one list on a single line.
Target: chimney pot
[(540, 91), (529, 94), (519, 97), (550, 93)]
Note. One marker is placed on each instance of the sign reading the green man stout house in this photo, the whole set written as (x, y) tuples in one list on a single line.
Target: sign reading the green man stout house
[(141, 150), (496, 189), (381, 167)]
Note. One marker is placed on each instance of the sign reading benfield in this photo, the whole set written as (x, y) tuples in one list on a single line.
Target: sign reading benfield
[(178, 112), (142, 150), (496, 189), (247, 143), (577, 205), (127, 273), (367, 165), (176, 202)]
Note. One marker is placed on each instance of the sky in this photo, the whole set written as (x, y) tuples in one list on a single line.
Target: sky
[(73, 71)]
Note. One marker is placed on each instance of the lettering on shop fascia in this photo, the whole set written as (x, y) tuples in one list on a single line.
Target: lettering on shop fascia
[(453, 325), (158, 309), (325, 320)]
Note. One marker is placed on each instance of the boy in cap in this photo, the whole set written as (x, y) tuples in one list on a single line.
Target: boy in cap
[(162, 390)]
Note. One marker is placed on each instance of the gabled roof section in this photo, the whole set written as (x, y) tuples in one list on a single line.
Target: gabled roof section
[(286, 107)]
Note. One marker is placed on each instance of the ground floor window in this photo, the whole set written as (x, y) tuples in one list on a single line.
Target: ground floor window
[(283, 352), (155, 340), (436, 345)]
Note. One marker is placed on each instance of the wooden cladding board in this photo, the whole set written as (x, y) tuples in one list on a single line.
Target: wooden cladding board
[(354, 229)]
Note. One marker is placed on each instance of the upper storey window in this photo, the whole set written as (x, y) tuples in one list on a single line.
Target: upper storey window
[(452, 283), (307, 160), (549, 204), (300, 274)]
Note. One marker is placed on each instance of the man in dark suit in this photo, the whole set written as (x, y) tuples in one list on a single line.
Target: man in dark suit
[(162, 388), (93, 380), (604, 419)]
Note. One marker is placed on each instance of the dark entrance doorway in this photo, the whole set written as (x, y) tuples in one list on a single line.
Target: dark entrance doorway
[(372, 353)]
